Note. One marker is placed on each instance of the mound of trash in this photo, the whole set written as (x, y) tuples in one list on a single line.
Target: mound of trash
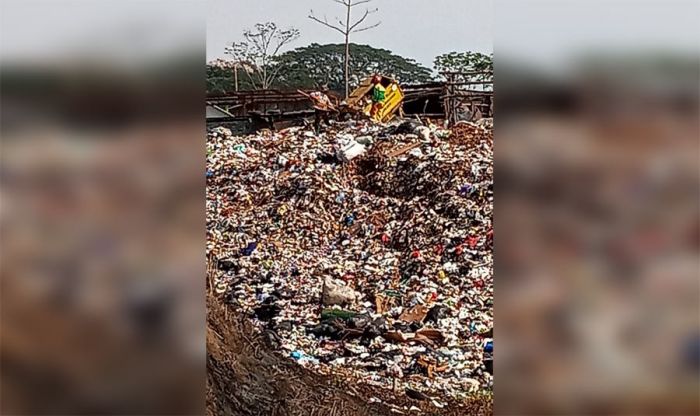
[(245, 376), (364, 251)]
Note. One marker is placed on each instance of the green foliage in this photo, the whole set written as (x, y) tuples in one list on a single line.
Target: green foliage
[(466, 62), (313, 65), (221, 79)]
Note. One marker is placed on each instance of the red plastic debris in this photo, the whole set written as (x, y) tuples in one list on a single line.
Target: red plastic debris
[(439, 249), (385, 238)]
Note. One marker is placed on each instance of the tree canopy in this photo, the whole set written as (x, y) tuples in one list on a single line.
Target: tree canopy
[(316, 64), (466, 62), (220, 79)]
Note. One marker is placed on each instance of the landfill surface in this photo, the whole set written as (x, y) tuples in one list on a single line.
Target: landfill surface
[(363, 251), (246, 376)]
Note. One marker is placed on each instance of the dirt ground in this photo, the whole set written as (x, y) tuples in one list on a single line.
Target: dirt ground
[(246, 377)]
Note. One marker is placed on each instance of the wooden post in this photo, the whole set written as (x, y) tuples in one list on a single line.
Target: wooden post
[(446, 99), (347, 51), (453, 118), (450, 110), (235, 75)]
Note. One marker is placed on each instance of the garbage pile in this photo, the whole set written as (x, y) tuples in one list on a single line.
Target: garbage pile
[(365, 250)]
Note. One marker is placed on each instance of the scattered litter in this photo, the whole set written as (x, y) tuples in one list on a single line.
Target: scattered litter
[(350, 151), (335, 292), (365, 250)]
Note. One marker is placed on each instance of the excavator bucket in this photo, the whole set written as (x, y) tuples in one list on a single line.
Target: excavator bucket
[(361, 98)]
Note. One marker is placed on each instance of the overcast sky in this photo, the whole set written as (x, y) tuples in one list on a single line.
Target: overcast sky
[(543, 31), (417, 29), (32, 30), (549, 32)]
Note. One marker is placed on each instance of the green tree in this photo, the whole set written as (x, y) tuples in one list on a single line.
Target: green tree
[(466, 62), (221, 77), (313, 65)]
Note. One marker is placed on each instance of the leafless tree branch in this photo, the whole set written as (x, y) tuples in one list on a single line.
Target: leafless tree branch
[(325, 23), (362, 19), (359, 2), (345, 28), (359, 21), (250, 77), (260, 48), (367, 27), (276, 70), (270, 36)]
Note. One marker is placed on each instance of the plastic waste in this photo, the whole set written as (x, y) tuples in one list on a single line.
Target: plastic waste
[(389, 220), (351, 151)]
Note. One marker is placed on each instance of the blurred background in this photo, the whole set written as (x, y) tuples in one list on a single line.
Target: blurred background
[(102, 198), (596, 213), (102, 207)]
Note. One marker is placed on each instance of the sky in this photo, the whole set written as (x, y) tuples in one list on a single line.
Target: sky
[(552, 32), (417, 29), (542, 31), (110, 30)]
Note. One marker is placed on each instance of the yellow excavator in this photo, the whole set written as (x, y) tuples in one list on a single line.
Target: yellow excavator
[(361, 99)]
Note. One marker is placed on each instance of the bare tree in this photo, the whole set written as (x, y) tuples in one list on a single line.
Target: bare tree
[(258, 52), (347, 28)]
